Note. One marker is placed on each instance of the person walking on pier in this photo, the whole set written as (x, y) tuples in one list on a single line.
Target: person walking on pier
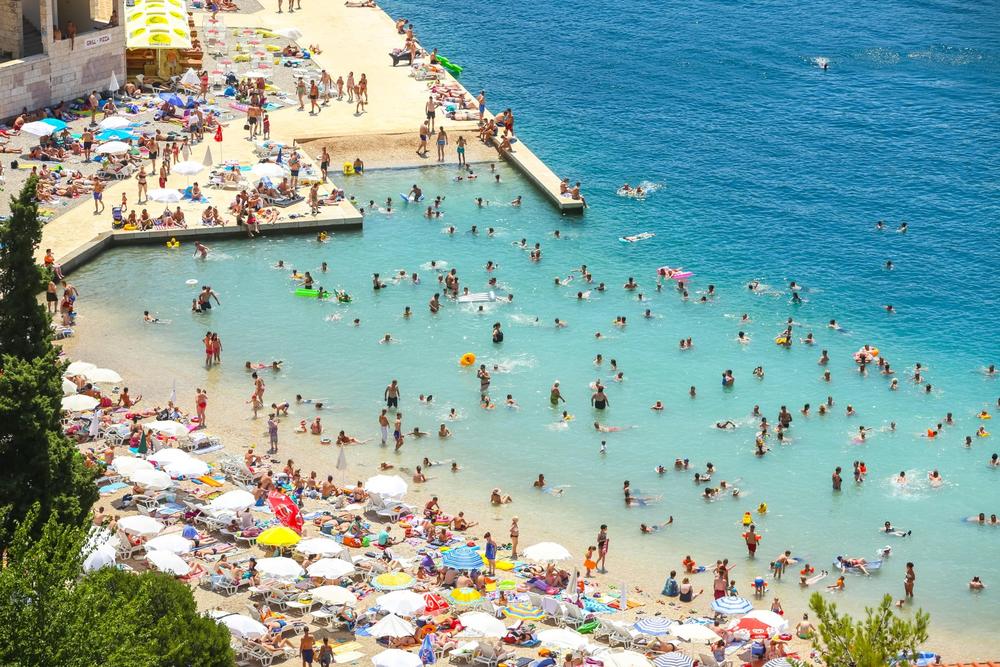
[(422, 147), (442, 141)]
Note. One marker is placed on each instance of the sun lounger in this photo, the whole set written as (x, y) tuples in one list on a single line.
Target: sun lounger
[(401, 58)]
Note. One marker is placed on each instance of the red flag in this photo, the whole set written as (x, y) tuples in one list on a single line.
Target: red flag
[(218, 133), (286, 510)]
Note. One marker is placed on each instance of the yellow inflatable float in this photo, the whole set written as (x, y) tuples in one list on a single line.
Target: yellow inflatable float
[(467, 359)]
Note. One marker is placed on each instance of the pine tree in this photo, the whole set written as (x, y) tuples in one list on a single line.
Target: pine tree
[(24, 323)]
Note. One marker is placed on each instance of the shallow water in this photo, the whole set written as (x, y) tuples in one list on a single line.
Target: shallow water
[(772, 170)]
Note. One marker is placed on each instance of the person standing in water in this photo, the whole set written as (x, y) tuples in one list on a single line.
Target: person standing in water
[(555, 395), (599, 399)]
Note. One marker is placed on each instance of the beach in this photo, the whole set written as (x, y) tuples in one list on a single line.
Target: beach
[(325, 357)]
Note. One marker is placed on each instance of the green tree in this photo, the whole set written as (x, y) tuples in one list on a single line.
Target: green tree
[(24, 322), (875, 641), (41, 465), (53, 614)]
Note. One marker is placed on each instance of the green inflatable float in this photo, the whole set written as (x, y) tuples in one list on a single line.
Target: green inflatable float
[(450, 66)]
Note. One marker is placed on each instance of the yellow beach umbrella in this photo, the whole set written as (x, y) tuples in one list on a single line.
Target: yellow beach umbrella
[(393, 581), (278, 536), (463, 596)]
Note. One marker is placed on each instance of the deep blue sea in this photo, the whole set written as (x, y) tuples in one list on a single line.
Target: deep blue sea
[(772, 170)]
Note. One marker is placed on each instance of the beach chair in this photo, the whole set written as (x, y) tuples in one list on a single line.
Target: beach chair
[(574, 617), (603, 629), (487, 655), (552, 609), (219, 583), (301, 603), (624, 634), (708, 660), (464, 653)]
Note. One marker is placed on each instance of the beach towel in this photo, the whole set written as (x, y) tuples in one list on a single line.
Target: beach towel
[(111, 488), (211, 481)]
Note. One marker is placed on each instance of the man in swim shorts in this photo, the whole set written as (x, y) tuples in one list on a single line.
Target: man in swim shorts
[(391, 395)]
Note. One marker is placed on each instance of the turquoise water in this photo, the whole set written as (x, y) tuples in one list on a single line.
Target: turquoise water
[(773, 170)]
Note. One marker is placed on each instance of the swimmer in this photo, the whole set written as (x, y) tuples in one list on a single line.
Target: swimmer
[(888, 265), (889, 309), (658, 406), (149, 319), (742, 338), (901, 478), (387, 340), (417, 433), (935, 479), (646, 530), (444, 432), (510, 402), (728, 424), (976, 584), (898, 532), (808, 340), (201, 249)]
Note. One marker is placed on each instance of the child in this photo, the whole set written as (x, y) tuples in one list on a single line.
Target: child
[(588, 561), (266, 126)]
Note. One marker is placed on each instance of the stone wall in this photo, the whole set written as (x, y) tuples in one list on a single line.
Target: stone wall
[(63, 73), (11, 32)]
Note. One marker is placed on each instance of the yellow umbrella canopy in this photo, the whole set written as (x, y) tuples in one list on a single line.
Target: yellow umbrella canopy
[(278, 536), (157, 24), (393, 581)]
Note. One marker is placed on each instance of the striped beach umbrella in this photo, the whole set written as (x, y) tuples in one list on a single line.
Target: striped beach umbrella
[(464, 596), (524, 611), (673, 659), (731, 605), (654, 625), (463, 558), (393, 581), (778, 662)]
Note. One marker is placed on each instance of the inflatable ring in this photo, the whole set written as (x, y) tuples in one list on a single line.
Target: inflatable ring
[(467, 359), (781, 340)]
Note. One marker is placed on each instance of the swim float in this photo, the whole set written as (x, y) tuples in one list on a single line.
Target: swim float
[(467, 359), (173, 243), (191, 281), (302, 291)]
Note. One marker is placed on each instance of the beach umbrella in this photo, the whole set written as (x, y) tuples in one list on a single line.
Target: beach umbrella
[(165, 561), (113, 83), (165, 195), (208, 162), (109, 135), (189, 467), (546, 551), (242, 626), (612, 658), (113, 148), (778, 662), (393, 581), (232, 501), (464, 596), (482, 624), (289, 33), (191, 78), (762, 621), (333, 595), (693, 632), (153, 480), (278, 536), (318, 546), (272, 170), (188, 168), (38, 128), (391, 626), (68, 388), (102, 376), (463, 558), (562, 638), (329, 568), (173, 543), (79, 367), (395, 657), (168, 455), (172, 98), (138, 524), (114, 123), (170, 428), (654, 625), (79, 402), (126, 464), (673, 659), (731, 605), (280, 568), (404, 603), (54, 122), (524, 611), (102, 556)]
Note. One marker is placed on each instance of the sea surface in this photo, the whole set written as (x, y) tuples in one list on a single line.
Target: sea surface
[(770, 169)]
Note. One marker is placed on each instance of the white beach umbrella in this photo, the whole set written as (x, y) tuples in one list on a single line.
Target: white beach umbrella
[(102, 556), (187, 168), (258, 74), (673, 659), (79, 367), (318, 546), (546, 551), (102, 375), (68, 388), (778, 662), (79, 402), (392, 486), (114, 123), (333, 595), (280, 568), (208, 161), (153, 480), (656, 626), (693, 632), (38, 128), (483, 624), (562, 638), (113, 83), (170, 428), (731, 605), (166, 561), (113, 148), (173, 543), (395, 657), (391, 626), (165, 195), (138, 524), (268, 170), (404, 603), (123, 465), (232, 501), (616, 658), (289, 33), (240, 625), (330, 568), (191, 78), (774, 621), (189, 467), (168, 455)]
